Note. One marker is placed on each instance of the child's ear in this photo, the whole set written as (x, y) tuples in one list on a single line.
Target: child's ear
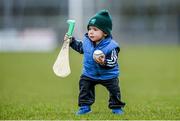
[(105, 35)]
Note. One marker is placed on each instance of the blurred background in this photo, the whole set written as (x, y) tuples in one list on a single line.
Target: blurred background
[(38, 25)]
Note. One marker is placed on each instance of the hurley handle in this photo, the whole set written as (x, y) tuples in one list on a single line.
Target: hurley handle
[(71, 27)]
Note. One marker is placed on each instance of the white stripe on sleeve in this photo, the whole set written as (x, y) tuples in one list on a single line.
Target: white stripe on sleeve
[(113, 60)]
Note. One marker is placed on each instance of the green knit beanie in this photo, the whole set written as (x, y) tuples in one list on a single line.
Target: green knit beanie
[(102, 20)]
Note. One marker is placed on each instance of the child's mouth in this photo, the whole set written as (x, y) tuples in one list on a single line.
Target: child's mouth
[(91, 37)]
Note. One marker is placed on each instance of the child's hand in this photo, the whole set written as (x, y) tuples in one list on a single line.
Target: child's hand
[(66, 37), (100, 59)]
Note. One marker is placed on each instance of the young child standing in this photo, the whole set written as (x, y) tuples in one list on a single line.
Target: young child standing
[(103, 70)]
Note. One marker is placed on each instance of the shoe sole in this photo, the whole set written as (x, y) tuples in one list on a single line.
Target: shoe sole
[(118, 113), (84, 113)]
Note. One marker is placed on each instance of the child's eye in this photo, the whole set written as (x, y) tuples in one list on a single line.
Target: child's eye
[(92, 28), (89, 29)]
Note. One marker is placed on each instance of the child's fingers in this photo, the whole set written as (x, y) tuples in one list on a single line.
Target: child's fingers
[(66, 37), (100, 60), (69, 37)]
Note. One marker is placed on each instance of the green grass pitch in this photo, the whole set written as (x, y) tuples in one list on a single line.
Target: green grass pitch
[(150, 85)]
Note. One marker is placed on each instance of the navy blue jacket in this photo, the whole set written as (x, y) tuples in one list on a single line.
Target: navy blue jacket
[(92, 69)]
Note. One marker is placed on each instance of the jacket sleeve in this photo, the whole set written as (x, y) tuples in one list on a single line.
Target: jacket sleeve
[(77, 45), (111, 59)]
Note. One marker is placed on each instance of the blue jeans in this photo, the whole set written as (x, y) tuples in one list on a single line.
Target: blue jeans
[(87, 92)]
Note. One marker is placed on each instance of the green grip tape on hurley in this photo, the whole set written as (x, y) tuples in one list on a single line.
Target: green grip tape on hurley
[(71, 27)]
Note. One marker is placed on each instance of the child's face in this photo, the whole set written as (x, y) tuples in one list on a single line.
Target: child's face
[(95, 34)]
